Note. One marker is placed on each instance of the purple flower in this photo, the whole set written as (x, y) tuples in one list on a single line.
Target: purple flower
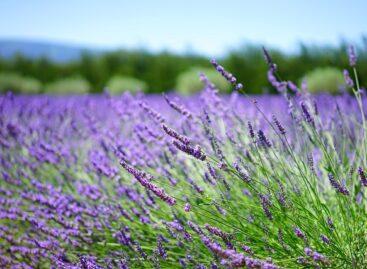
[(330, 223), (187, 207), (268, 59), (238, 87), (278, 125), (362, 176), (299, 233), (325, 239), (293, 87), (154, 114), (340, 188), (348, 81), (265, 203), (308, 251), (172, 133), (144, 180), (243, 175), (263, 141), (195, 152), (218, 232), (179, 108), (352, 56), (160, 248), (317, 257), (309, 119), (247, 249), (89, 262), (251, 130), (228, 76)]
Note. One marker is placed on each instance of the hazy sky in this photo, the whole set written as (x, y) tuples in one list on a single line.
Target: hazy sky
[(187, 25)]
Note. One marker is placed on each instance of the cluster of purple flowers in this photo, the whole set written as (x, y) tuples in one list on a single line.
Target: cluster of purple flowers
[(101, 181), (228, 76), (145, 179), (338, 186)]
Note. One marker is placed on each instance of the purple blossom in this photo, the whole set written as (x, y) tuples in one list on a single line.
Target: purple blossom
[(352, 56), (218, 232), (187, 207), (179, 108), (317, 257), (251, 130), (362, 176), (144, 180), (325, 239), (172, 133), (293, 87), (268, 59), (299, 233), (160, 248), (195, 152), (228, 76), (244, 176), (265, 203), (279, 125), (348, 80), (336, 185), (263, 141), (309, 119)]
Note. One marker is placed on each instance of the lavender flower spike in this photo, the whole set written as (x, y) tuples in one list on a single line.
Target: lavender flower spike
[(279, 125), (154, 114), (340, 188), (244, 176), (325, 239), (251, 130), (317, 257), (269, 60), (307, 115), (218, 232), (228, 76), (348, 80), (263, 140), (144, 180), (265, 203), (352, 56), (299, 233), (362, 176), (179, 108), (195, 152), (172, 133)]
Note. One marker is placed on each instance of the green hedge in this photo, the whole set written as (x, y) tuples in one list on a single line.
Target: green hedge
[(19, 84), (188, 82), (71, 85), (120, 84), (326, 79)]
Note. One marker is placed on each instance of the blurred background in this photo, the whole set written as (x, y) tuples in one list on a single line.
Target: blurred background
[(76, 47)]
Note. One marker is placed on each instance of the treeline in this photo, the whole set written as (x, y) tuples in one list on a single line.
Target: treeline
[(161, 71)]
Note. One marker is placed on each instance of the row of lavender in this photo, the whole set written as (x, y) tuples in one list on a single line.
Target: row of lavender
[(202, 182)]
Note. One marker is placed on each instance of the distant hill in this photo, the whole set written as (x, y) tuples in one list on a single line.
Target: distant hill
[(36, 49)]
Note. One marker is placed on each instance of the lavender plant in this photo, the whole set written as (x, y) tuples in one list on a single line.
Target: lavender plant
[(207, 181)]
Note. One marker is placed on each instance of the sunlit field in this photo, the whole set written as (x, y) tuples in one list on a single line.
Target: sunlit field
[(206, 181)]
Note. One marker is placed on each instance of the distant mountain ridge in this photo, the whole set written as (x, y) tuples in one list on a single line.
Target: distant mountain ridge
[(54, 51)]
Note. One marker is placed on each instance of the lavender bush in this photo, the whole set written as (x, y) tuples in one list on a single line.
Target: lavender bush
[(202, 182)]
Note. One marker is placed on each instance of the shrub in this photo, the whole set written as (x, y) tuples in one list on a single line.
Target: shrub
[(188, 82), (72, 85), (120, 84), (19, 84), (325, 79)]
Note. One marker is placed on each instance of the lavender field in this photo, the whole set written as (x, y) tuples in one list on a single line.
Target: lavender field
[(207, 181)]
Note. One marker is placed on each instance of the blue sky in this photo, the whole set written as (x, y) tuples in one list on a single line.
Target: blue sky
[(209, 27)]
